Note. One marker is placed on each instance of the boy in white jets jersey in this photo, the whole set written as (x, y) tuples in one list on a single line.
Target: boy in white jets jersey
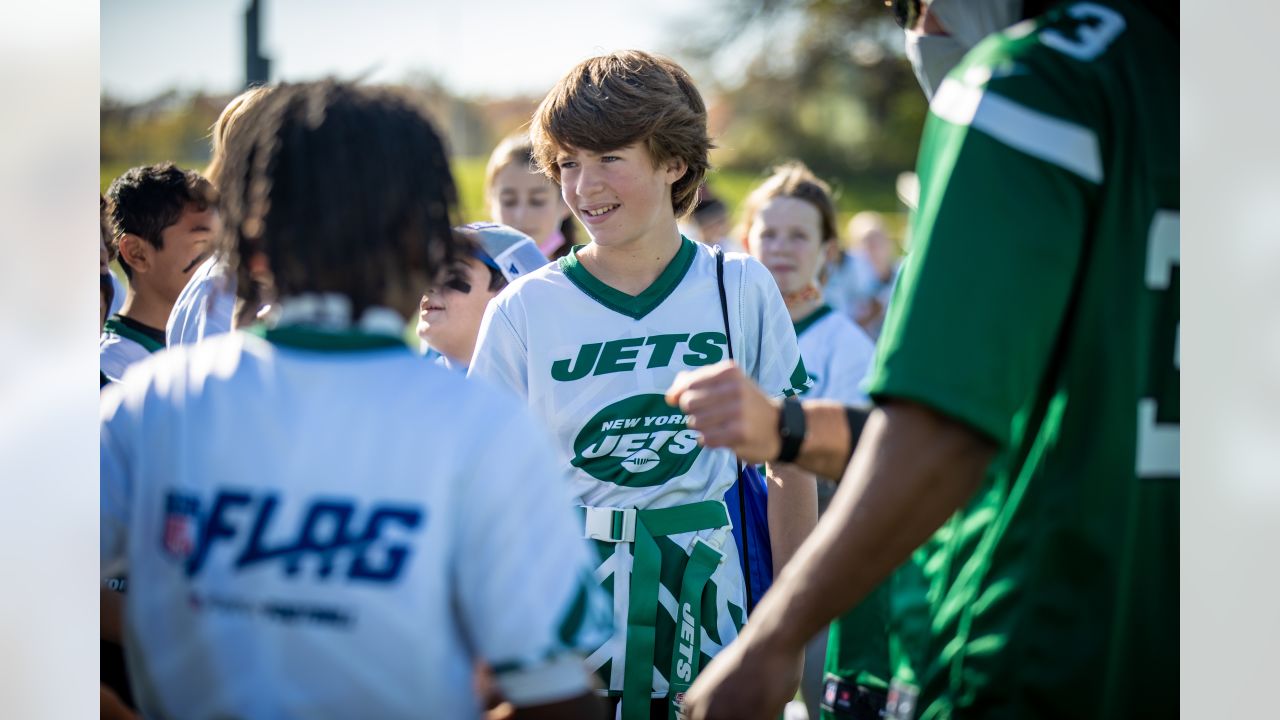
[(297, 545), (593, 341)]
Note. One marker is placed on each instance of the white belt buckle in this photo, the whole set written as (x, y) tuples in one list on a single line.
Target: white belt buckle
[(611, 524)]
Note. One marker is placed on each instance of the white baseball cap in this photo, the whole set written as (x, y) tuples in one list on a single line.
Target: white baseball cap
[(504, 248)]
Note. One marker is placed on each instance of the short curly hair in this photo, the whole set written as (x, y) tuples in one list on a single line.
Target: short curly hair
[(624, 98)]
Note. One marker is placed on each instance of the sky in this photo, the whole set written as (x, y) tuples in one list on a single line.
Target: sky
[(476, 47)]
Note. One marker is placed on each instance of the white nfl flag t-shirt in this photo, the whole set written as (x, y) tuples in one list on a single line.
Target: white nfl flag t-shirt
[(321, 525), (205, 307), (837, 355), (594, 364)]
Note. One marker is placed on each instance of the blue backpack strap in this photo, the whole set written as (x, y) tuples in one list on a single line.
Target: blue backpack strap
[(748, 499)]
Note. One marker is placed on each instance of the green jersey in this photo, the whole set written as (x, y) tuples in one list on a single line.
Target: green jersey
[(1045, 271)]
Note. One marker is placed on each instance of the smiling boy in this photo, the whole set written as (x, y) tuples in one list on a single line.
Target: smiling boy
[(592, 341), (163, 221)]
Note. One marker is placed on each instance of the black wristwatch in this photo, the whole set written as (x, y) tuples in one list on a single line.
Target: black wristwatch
[(790, 429)]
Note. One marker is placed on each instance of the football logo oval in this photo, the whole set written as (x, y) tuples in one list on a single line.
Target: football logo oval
[(639, 441)]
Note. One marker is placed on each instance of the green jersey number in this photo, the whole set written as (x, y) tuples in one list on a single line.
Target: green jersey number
[(1158, 423), (1098, 27)]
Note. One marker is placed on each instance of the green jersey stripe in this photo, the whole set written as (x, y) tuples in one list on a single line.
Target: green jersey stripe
[(807, 321), (116, 326), (633, 306), (1053, 140)]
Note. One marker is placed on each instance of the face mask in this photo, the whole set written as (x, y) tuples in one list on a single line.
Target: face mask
[(967, 22), (932, 57)]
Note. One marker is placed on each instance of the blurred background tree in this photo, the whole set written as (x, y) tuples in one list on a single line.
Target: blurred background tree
[(822, 81)]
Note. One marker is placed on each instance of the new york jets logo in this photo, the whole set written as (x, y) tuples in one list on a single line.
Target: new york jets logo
[(643, 459), (639, 441)]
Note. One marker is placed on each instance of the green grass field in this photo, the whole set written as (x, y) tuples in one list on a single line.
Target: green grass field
[(731, 185)]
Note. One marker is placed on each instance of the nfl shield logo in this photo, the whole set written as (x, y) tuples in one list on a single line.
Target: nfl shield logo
[(180, 512)]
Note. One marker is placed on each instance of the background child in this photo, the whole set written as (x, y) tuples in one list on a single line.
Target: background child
[(790, 225), (449, 313), (527, 200), (163, 221), (860, 281)]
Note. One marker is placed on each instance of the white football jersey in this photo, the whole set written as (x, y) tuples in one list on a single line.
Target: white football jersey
[(594, 364), (120, 346), (837, 355), (205, 307), (335, 533)]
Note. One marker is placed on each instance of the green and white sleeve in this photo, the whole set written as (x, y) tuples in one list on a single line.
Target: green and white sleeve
[(985, 287)]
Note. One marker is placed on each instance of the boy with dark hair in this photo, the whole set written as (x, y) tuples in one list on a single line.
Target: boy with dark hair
[(625, 135), (163, 220), (341, 562)]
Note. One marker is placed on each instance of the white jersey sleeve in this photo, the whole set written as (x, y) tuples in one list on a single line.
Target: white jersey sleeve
[(771, 356), (501, 356), (837, 356), (205, 307), (526, 592), (853, 357)]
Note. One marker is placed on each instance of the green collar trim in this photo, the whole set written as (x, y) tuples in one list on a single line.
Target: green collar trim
[(116, 326), (807, 321), (633, 306), (299, 337)]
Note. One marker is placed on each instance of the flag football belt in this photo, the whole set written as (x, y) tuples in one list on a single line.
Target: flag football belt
[(640, 527), (844, 700)]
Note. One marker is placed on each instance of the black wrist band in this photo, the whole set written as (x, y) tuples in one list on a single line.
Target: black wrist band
[(857, 419), (790, 429)]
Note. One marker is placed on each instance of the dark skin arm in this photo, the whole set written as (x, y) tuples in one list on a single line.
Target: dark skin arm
[(731, 411), (912, 470)]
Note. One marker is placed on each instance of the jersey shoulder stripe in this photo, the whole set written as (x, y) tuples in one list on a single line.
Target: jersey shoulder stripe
[(1050, 88), (1072, 147)]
